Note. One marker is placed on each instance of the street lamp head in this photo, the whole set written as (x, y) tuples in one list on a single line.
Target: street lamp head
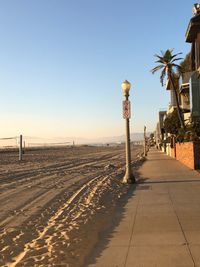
[(126, 86), (196, 9)]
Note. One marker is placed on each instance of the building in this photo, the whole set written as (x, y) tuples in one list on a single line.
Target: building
[(193, 37), (184, 91)]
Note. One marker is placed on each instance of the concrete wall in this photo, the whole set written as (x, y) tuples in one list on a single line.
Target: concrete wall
[(188, 153), (173, 152), (185, 153), (168, 149)]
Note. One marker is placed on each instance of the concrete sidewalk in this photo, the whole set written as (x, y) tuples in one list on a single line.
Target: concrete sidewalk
[(160, 224)]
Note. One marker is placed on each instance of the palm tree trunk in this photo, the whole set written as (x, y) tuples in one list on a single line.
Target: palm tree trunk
[(180, 115)]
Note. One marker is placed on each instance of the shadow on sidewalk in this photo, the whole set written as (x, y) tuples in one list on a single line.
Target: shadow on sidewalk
[(120, 210), (159, 159), (145, 181), (117, 216), (106, 236)]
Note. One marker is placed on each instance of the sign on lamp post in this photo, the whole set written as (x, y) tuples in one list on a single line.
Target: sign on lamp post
[(126, 109)]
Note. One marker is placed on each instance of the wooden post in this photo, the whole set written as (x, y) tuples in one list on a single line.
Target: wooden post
[(20, 147), (24, 147), (145, 149)]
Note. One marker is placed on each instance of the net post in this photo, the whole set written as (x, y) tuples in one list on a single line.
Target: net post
[(24, 147), (20, 147)]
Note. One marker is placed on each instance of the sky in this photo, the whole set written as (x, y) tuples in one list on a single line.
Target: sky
[(62, 63)]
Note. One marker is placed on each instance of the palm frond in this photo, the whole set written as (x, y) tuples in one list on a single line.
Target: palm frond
[(160, 58), (162, 52), (159, 67), (175, 55), (176, 59), (159, 61), (175, 65), (166, 63), (168, 55)]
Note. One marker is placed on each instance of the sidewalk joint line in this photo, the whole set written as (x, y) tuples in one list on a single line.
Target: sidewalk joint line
[(129, 244), (186, 241)]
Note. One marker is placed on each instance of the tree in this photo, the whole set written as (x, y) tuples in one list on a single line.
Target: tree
[(186, 64), (172, 123), (167, 65)]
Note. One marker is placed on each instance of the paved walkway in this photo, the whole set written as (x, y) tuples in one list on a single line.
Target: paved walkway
[(159, 225)]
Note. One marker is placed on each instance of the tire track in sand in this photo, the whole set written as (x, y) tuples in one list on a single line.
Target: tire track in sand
[(52, 221)]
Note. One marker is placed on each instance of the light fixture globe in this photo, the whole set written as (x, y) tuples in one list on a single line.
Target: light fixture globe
[(126, 86), (196, 9)]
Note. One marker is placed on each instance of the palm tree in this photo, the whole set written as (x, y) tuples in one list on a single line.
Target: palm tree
[(167, 65)]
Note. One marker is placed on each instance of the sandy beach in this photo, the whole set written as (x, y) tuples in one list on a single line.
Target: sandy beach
[(57, 201)]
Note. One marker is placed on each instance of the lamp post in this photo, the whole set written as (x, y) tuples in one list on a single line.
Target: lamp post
[(128, 177)]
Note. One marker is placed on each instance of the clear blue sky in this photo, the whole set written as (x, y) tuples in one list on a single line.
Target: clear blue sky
[(62, 63)]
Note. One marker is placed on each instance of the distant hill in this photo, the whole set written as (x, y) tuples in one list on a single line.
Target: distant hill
[(38, 141), (121, 138)]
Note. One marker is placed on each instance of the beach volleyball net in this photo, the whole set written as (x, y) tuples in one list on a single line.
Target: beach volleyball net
[(28, 141), (46, 144), (9, 142)]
